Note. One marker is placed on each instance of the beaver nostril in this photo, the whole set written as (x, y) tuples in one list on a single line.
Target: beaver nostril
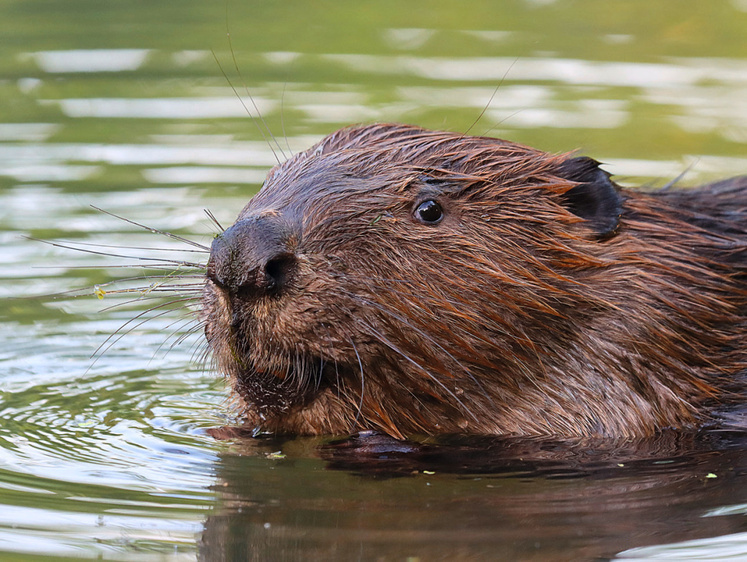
[(278, 271), (254, 257)]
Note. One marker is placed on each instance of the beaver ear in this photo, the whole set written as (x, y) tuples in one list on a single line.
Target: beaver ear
[(596, 198)]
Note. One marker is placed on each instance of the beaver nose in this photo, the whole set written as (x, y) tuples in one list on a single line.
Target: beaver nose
[(254, 257)]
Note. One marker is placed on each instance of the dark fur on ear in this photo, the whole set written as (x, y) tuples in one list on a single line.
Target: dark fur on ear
[(596, 198)]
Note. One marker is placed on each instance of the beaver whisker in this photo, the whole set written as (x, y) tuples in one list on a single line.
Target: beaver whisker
[(456, 306), (164, 288), (170, 310), (118, 334), (359, 411), (343, 390), (123, 247), (190, 327), (422, 369), (148, 294), (193, 300), (297, 375), (430, 339), (306, 375), (328, 344), (188, 318), (490, 100), (201, 353), (72, 293), (148, 290), (338, 381), (156, 278), (322, 364), (167, 267), (174, 281), (157, 287), (214, 220), (251, 99), (160, 262), (181, 324), (154, 230)]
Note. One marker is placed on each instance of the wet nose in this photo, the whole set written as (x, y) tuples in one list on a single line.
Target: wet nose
[(255, 256)]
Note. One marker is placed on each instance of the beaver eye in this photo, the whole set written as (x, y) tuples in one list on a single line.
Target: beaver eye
[(429, 212)]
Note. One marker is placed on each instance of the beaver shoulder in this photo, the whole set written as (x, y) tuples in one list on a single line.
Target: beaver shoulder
[(415, 281)]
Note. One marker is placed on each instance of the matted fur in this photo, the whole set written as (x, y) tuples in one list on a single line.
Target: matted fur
[(509, 316)]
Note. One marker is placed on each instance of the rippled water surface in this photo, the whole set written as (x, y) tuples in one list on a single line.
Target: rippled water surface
[(140, 109)]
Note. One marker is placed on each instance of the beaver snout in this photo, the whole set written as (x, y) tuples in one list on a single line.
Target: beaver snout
[(255, 257)]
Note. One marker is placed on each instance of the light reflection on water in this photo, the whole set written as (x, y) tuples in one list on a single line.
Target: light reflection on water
[(161, 108), (109, 456), (727, 547), (559, 70), (89, 60), (101, 456), (703, 96)]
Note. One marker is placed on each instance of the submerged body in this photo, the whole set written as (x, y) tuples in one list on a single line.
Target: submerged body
[(422, 282)]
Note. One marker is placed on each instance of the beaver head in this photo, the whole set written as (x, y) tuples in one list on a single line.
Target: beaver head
[(414, 281)]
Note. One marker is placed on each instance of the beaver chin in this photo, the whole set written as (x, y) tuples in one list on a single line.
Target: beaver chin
[(274, 395), (293, 403), (270, 383)]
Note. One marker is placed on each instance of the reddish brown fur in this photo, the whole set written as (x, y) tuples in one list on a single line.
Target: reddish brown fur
[(510, 316)]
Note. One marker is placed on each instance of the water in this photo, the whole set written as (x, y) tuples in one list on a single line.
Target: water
[(123, 106)]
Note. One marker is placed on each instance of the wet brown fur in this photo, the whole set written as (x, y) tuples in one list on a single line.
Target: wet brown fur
[(510, 316)]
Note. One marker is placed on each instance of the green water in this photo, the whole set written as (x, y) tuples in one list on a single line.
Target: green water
[(124, 105)]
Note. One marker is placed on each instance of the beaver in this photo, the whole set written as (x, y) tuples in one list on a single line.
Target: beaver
[(419, 282)]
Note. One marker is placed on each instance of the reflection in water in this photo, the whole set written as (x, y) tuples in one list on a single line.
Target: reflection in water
[(90, 60), (27, 131), (202, 174), (491, 499), (160, 108), (104, 462), (235, 153), (700, 96), (726, 547), (564, 71)]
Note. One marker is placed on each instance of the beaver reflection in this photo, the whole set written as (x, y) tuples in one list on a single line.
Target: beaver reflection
[(483, 498), (421, 282)]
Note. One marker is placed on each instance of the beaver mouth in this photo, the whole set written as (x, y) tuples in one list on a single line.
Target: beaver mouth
[(275, 392)]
